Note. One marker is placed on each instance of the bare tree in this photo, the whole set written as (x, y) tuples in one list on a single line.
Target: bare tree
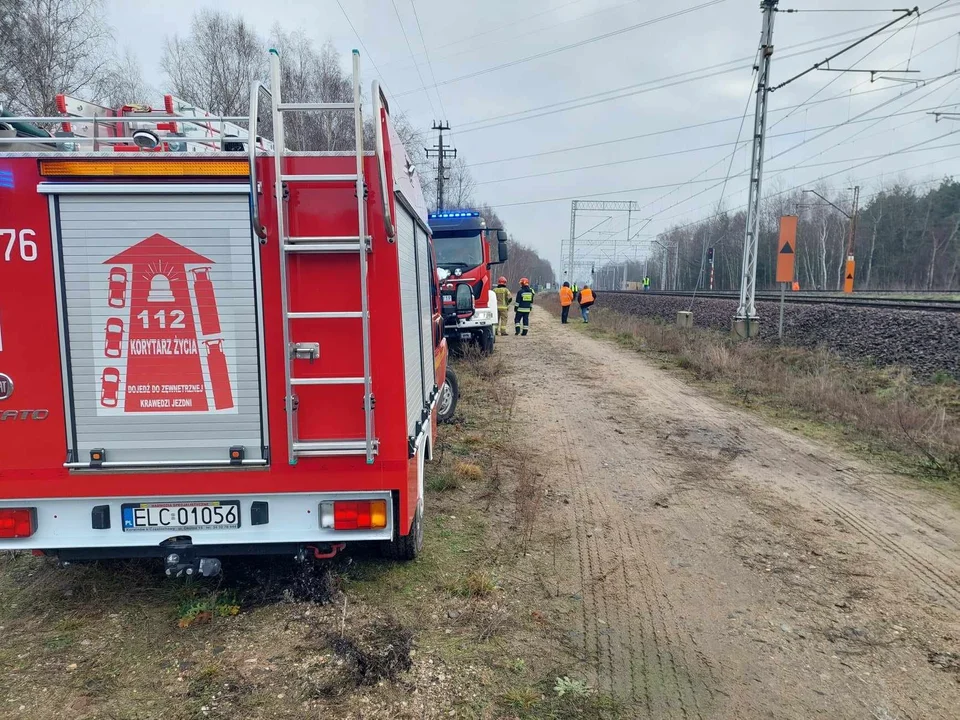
[(214, 65), (311, 75), (51, 47), (459, 185), (124, 84)]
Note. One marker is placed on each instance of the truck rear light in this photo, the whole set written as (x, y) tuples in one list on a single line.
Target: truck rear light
[(354, 514), (17, 522)]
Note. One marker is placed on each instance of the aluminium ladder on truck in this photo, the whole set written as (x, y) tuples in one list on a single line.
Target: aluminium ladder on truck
[(360, 244)]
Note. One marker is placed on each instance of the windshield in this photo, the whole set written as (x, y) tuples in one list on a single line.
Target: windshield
[(458, 251)]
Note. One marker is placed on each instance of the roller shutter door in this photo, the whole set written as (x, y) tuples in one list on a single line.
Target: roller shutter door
[(410, 314), (161, 317)]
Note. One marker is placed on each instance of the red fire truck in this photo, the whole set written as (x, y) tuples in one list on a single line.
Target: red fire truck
[(466, 250), (211, 345)]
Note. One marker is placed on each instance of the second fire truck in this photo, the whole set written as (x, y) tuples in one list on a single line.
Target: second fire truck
[(466, 250)]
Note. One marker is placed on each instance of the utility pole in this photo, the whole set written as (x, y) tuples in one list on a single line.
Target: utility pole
[(746, 321), (440, 152)]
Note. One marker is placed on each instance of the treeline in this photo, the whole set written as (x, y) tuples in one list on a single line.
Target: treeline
[(66, 46), (906, 239)]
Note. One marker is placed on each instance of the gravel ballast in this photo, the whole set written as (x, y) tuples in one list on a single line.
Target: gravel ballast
[(925, 341)]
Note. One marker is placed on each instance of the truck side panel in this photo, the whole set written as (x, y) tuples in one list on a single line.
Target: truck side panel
[(32, 428)]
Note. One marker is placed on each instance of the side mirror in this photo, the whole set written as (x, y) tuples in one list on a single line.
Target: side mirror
[(464, 298), (502, 251)]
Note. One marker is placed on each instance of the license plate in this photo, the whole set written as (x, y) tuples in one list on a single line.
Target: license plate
[(213, 515)]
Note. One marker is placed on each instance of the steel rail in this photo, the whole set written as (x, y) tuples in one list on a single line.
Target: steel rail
[(926, 304)]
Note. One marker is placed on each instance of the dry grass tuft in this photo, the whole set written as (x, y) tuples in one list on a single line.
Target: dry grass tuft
[(478, 584), (468, 471)]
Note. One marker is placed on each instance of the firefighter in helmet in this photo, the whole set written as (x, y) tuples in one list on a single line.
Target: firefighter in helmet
[(504, 298), (523, 306)]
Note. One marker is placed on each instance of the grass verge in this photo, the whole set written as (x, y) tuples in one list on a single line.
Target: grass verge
[(881, 411), (465, 631)]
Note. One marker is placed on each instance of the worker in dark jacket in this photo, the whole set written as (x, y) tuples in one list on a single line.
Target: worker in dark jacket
[(586, 298), (523, 305)]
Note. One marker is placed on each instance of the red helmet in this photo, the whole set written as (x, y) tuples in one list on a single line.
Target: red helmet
[(501, 280), (524, 281)]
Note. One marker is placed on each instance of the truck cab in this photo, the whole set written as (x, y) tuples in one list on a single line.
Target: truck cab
[(466, 249)]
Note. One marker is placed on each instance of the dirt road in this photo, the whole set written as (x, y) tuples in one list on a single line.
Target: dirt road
[(718, 567)]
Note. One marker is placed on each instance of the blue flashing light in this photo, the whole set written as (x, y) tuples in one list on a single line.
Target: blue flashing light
[(456, 214), (6, 179)]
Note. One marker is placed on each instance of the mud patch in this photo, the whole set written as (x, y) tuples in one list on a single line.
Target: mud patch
[(381, 651), (266, 581)]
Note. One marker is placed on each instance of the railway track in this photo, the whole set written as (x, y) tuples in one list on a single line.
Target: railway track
[(946, 304)]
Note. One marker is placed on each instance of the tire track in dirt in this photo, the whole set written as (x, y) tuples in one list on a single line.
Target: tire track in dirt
[(937, 582), (680, 613), (639, 651)]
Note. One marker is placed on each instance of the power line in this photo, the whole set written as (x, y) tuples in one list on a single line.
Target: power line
[(666, 185), (822, 177), (797, 187), (426, 52), (552, 109), (665, 131), (563, 48), (471, 37), (410, 48), (360, 40), (738, 143)]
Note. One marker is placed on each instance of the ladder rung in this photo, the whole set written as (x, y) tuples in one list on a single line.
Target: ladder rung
[(320, 448), (322, 315), (328, 381), (324, 239), (323, 247), (319, 178), (294, 107)]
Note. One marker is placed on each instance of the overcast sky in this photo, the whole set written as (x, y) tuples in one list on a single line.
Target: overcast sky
[(518, 110)]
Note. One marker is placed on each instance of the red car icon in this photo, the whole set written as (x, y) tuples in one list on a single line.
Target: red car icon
[(109, 387), (117, 288), (113, 345)]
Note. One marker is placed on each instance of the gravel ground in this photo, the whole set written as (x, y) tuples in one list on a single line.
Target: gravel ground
[(925, 341)]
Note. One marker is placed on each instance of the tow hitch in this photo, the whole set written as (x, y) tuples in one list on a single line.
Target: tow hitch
[(179, 564)]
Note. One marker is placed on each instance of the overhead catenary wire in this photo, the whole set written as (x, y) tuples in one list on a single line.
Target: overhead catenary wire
[(837, 77), (803, 142), (816, 66)]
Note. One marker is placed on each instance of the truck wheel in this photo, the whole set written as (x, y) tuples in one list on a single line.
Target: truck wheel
[(486, 339), (405, 548), (449, 396)]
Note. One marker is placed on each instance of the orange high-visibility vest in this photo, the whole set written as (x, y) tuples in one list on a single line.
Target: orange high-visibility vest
[(796, 286), (586, 296), (566, 296)]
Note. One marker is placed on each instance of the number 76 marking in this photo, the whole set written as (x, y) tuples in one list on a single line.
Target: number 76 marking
[(27, 247)]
